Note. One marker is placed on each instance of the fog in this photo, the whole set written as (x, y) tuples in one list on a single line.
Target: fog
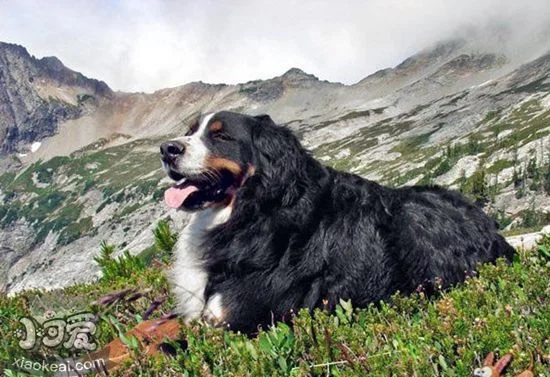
[(149, 45)]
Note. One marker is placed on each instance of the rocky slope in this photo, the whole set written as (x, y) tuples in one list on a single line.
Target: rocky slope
[(455, 115), (36, 95)]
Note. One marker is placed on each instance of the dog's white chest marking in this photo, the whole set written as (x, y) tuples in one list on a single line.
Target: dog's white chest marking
[(188, 275)]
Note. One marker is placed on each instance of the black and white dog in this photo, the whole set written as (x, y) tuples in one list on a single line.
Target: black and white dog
[(273, 230)]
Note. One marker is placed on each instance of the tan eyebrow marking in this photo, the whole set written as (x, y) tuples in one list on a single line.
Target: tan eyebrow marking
[(216, 126)]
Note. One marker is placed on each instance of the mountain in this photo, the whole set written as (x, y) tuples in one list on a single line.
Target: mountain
[(80, 162), (36, 95)]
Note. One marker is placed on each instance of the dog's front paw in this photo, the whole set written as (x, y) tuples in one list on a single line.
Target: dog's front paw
[(214, 312)]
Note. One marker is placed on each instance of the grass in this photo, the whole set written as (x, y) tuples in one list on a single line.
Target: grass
[(499, 166), (396, 179), (364, 113), (505, 308), (412, 144), (491, 115)]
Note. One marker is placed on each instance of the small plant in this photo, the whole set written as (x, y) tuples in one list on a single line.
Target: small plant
[(501, 218), (476, 188), (113, 268), (165, 239), (278, 345), (443, 168), (544, 247)]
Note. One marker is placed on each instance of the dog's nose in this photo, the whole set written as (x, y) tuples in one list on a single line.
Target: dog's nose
[(171, 150)]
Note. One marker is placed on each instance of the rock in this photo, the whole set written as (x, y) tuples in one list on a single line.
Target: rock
[(31, 104), (526, 241)]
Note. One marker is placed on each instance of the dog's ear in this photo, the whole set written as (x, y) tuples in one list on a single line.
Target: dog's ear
[(265, 119), (271, 142), (279, 159)]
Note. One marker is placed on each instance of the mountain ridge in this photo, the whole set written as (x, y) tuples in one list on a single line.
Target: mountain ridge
[(36, 95)]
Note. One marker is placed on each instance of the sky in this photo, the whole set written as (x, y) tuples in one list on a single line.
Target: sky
[(154, 44)]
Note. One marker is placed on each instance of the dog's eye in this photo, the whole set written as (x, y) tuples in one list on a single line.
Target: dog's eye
[(220, 135)]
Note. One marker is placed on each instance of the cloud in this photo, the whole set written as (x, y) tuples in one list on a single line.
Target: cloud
[(144, 46)]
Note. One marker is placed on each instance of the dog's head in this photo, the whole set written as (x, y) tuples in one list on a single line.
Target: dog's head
[(220, 151)]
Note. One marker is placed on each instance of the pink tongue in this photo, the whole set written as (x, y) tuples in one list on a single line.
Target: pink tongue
[(175, 197)]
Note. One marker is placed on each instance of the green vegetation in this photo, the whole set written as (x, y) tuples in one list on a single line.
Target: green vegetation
[(411, 144), (364, 113), (533, 176), (476, 188), (527, 123), (49, 194), (117, 268), (491, 115), (165, 239), (499, 166), (6, 179), (503, 309), (397, 179), (75, 230), (533, 220), (356, 144), (500, 217)]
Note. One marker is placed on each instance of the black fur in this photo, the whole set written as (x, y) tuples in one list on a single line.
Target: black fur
[(305, 235)]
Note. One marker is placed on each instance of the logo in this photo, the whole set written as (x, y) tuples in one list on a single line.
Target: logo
[(72, 332)]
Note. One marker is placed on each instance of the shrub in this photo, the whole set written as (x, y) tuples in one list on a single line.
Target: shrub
[(443, 168), (501, 219), (122, 267), (504, 308), (476, 188), (165, 239)]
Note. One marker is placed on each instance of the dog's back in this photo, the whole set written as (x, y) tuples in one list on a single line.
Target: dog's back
[(438, 234), (403, 239)]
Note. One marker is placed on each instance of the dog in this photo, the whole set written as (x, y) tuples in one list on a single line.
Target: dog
[(273, 230)]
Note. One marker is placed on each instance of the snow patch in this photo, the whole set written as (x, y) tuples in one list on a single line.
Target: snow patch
[(35, 146)]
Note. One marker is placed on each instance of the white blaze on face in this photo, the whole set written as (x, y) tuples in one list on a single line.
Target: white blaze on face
[(193, 160)]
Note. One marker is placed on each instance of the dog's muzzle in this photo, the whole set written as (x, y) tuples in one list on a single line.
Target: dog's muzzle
[(171, 150)]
